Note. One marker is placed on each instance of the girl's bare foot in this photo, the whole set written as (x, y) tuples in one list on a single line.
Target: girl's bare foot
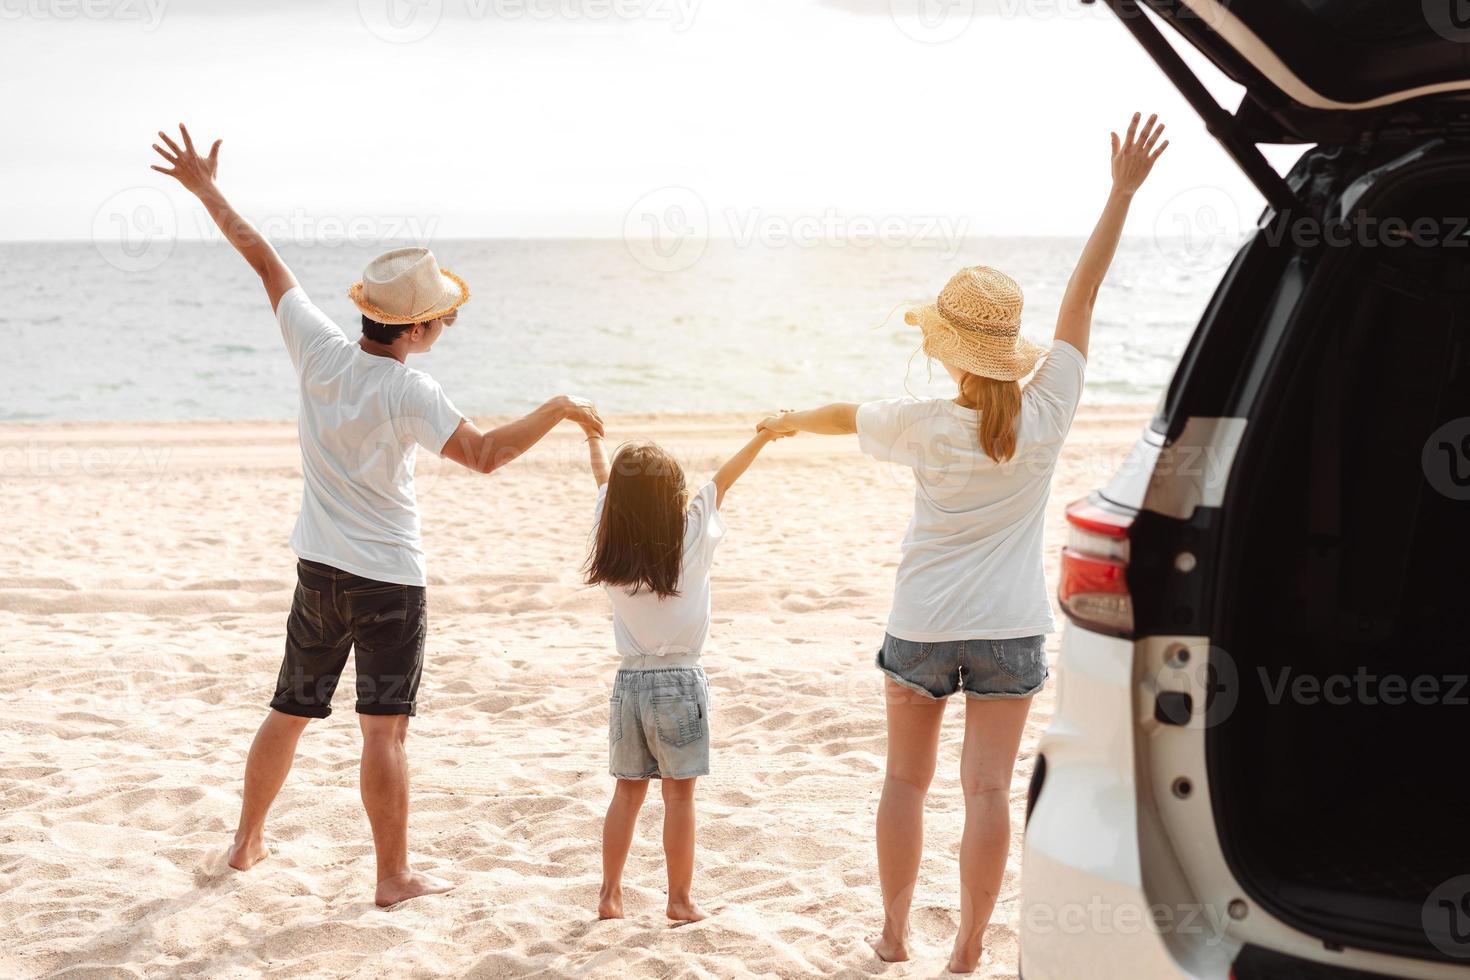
[(687, 910), (889, 950), (966, 956), (246, 854), (410, 884), (610, 903)]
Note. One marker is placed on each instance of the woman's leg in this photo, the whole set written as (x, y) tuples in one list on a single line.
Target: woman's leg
[(617, 838), (993, 731), (913, 746), (679, 848)]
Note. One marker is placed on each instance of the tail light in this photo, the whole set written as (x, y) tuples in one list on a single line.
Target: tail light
[(1094, 583)]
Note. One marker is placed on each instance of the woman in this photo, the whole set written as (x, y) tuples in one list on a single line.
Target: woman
[(970, 605)]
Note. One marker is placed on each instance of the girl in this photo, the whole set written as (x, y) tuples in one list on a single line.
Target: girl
[(652, 549), (970, 605)]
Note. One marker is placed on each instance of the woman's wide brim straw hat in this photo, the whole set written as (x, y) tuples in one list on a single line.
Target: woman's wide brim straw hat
[(406, 286), (976, 325)]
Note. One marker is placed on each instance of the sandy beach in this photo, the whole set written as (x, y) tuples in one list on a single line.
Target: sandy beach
[(143, 596)]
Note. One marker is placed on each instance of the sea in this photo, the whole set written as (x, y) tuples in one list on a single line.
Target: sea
[(97, 334)]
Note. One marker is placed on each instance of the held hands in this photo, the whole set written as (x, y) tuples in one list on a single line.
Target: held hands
[(186, 166), (776, 426), (1134, 156), (580, 411)]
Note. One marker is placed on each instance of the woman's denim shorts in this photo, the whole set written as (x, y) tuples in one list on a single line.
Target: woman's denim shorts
[(658, 724), (1014, 668)]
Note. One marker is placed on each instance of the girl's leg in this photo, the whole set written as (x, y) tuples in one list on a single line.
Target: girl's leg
[(913, 746), (617, 838), (679, 848), (992, 737)]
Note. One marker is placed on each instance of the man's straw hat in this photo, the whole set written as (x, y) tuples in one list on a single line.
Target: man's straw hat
[(976, 325), (405, 286)]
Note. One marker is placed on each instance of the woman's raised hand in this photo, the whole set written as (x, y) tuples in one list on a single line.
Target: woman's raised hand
[(777, 425), (1134, 156)]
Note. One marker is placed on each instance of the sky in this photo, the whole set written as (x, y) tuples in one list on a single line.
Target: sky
[(428, 119)]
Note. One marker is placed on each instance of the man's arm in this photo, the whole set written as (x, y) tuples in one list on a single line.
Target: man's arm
[(197, 175), (486, 452), (736, 465), (597, 449), (1133, 158), (837, 419)]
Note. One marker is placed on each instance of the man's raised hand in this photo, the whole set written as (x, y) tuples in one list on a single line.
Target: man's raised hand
[(185, 164)]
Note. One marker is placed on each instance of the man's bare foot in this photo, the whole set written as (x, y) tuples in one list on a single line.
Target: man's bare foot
[(246, 854), (966, 957), (610, 903), (410, 884), (687, 910), (889, 950)]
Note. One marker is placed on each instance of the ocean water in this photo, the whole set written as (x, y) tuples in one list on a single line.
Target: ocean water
[(744, 329)]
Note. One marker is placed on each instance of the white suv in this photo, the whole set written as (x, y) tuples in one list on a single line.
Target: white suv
[(1256, 767)]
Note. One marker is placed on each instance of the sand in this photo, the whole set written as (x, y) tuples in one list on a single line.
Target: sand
[(143, 592)]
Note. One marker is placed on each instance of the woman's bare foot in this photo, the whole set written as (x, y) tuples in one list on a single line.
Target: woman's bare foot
[(687, 910), (410, 884), (889, 950), (246, 854), (610, 903), (966, 956)]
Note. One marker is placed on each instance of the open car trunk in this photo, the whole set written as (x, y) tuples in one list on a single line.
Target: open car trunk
[(1338, 776)]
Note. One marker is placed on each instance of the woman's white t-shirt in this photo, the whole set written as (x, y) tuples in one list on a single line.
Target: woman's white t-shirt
[(971, 565), (645, 625)]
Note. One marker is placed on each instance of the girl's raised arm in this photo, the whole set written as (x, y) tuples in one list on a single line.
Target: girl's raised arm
[(597, 450), (736, 465)]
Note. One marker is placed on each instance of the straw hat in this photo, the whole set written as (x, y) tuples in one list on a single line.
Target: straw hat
[(976, 325), (406, 285)]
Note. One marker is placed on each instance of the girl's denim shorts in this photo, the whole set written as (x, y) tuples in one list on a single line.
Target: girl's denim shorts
[(1014, 668), (658, 724)]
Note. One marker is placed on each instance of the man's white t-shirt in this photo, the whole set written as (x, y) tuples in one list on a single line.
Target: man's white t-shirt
[(971, 565), (645, 625), (362, 418)]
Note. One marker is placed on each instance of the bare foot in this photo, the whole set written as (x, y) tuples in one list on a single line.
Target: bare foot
[(686, 911), (410, 884), (889, 950), (966, 957), (610, 903), (244, 855)]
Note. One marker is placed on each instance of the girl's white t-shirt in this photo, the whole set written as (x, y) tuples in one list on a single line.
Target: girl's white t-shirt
[(645, 625), (971, 565)]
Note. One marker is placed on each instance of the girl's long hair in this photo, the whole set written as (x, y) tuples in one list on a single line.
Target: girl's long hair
[(640, 538), (999, 403)]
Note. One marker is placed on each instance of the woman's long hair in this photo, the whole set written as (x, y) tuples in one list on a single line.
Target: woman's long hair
[(640, 538), (999, 404)]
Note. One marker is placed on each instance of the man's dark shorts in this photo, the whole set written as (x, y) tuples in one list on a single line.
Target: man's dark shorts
[(335, 610)]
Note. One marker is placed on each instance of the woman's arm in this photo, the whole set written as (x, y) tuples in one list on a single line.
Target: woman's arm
[(197, 175), (837, 419), (597, 449), (736, 465), (1133, 158)]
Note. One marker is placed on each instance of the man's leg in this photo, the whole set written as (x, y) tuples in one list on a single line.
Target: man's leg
[(271, 755), (384, 784)]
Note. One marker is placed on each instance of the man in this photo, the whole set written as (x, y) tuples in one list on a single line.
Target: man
[(361, 577)]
